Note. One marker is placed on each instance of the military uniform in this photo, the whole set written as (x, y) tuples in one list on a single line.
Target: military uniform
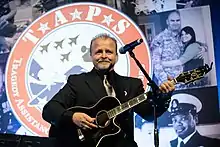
[(185, 104), (166, 46)]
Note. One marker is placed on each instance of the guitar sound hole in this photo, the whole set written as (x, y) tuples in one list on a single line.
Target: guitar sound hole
[(102, 119)]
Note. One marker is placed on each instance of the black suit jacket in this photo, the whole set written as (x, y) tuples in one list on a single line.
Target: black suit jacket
[(85, 90), (198, 140)]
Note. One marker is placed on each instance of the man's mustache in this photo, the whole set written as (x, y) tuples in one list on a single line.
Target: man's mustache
[(103, 61)]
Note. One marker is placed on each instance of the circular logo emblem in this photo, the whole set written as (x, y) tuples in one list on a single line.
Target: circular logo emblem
[(57, 45)]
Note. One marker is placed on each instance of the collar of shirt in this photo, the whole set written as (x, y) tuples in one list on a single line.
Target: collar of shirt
[(110, 75), (186, 139), (171, 33)]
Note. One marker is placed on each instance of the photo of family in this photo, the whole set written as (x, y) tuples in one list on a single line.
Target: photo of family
[(180, 41)]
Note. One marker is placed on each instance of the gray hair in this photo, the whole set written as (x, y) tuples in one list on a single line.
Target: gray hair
[(171, 12), (103, 36)]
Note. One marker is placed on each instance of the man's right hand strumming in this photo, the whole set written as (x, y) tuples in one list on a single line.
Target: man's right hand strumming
[(83, 121)]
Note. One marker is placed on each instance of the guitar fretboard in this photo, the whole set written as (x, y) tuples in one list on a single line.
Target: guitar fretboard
[(127, 105)]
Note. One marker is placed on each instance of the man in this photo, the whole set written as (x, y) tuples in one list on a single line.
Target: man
[(7, 28), (88, 88), (7, 10), (184, 110), (167, 46)]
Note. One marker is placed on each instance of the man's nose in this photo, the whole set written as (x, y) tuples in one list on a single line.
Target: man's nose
[(179, 123), (103, 54), (177, 22)]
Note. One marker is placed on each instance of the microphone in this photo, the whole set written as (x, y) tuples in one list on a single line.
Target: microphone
[(130, 46)]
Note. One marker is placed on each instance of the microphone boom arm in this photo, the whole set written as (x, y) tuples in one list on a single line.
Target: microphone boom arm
[(151, 83), (155, 90)]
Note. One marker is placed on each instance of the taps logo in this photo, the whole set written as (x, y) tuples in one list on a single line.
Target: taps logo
[(57, 45)]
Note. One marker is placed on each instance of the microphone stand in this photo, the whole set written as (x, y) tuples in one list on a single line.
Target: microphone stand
[(155, 92)]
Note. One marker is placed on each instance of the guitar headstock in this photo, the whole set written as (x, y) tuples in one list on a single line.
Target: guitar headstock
[(193, 75)]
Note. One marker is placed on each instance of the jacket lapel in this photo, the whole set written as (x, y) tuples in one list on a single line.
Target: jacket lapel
[(121, 88), (174, 143), (95, 84), (194, 140)]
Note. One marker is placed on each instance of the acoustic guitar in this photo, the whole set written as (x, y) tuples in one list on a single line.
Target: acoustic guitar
[(106, 114)]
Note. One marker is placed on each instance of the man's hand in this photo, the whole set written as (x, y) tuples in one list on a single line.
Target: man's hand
[(83, 120), (167, 86)]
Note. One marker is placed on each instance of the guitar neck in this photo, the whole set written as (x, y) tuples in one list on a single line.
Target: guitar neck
[(127, 105), (131, 103)]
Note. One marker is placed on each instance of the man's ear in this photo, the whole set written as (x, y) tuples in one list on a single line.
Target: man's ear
[(116, 58), (196, 119)]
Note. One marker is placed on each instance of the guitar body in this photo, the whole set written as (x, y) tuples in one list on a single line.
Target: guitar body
[(106, 126)]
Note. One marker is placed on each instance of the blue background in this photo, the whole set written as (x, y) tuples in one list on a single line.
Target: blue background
[(215, 16)]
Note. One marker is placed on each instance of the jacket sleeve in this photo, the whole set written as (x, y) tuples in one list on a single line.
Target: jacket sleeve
[(145, 109), (54, 111)]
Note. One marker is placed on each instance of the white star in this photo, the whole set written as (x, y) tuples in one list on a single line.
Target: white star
[(76, 14), (42, 101), (108, 19), (43, 27)]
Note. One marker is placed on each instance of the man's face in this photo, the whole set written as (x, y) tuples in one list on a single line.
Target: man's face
[(103, 53), (173, 22), (184, 125)]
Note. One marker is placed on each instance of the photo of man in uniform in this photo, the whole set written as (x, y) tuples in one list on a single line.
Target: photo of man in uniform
[(184, 109)]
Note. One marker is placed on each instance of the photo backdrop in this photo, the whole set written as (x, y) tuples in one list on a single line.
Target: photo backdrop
[(44, 63)]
